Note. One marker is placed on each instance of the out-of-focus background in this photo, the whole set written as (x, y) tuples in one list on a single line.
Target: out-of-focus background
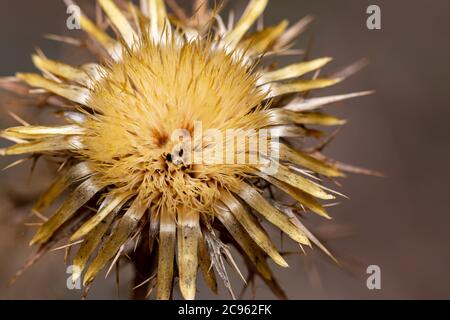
[(399, 223)]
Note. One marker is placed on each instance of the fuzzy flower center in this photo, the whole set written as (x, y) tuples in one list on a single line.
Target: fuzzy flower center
[(144, 102)]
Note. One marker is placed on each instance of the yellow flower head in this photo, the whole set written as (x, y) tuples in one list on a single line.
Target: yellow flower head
[(175, 138)]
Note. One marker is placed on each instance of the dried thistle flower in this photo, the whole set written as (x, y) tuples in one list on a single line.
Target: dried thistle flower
[(119, 154)]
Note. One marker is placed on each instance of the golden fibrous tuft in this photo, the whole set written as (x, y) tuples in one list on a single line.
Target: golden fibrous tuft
[(176, 138)]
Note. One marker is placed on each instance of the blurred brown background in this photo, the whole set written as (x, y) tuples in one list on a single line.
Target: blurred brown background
[(399, 223)]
